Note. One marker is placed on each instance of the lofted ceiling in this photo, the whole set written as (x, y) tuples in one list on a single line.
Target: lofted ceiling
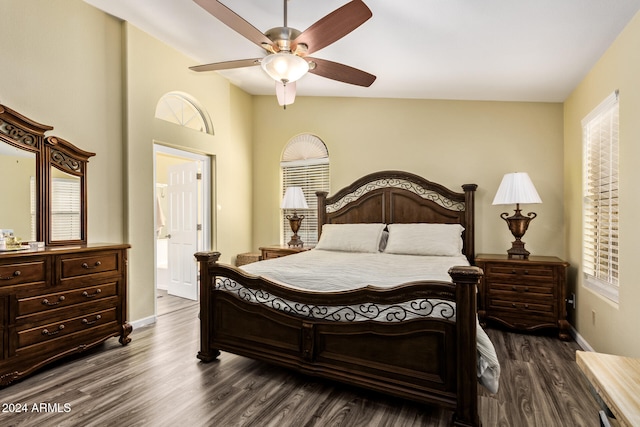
[(506, 50)]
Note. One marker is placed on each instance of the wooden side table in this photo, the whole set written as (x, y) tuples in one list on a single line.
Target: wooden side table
[(524, 294), (277, 251)]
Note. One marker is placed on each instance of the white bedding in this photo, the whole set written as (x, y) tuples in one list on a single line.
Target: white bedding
[(326, 271), (319, 270)]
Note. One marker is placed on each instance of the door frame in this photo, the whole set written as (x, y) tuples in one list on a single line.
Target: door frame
[(206, 197)]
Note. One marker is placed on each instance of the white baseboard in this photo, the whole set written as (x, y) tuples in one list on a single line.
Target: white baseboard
[(580, 340), (143, 322)]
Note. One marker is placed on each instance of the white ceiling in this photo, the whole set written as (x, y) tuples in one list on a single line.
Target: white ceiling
[(516, 50)]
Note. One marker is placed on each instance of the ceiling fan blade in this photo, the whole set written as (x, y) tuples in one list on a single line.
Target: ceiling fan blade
[(340, 72), (333, 26), (234, 21), (227, 65)]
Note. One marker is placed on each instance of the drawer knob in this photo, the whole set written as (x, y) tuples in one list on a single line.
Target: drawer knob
[(88, 295), (45, 301), (526, 272), (13, 276), (91, 322), (513, 271), (48, 333), (88, 267)]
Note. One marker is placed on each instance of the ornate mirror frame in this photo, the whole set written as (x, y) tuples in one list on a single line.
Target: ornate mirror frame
[(51, 153)]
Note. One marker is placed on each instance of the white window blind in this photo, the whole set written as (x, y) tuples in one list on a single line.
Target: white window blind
[(600, 247), (34, 208), (305, 164), (65, 209)]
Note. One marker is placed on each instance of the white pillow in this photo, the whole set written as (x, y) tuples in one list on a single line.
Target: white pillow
[(425, 239), (351, 237)]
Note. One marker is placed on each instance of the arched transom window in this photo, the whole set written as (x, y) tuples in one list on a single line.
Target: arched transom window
[(183, 110)]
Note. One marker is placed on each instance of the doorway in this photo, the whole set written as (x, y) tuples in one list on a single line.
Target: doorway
[(182, 220)]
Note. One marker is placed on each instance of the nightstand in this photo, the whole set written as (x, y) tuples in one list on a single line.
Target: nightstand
[(524, 295), (277, 251)]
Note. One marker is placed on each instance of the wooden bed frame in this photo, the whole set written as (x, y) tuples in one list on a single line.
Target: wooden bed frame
[(427, 360)]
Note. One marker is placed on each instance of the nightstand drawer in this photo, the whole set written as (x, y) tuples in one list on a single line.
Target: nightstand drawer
[(520, 272), (521, 306), (527, 290)]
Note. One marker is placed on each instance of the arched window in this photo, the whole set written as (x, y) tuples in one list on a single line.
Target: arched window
[(184, 110), (305, 163)]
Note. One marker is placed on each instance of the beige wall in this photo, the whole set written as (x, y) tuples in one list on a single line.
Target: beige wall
[(615, 328), (450, 142), (61, 67), (152, 70)]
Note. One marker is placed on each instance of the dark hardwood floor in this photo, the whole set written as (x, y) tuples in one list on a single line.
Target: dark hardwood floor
[(166, 303), (157, 381)]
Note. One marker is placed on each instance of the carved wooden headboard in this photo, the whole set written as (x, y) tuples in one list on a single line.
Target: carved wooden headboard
[(400, 197)]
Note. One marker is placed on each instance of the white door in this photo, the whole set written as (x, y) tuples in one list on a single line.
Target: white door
[(182, 192)]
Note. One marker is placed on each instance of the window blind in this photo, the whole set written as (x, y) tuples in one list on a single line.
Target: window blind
[(600, 246), (65, 209), (34, 208), (312, 175)]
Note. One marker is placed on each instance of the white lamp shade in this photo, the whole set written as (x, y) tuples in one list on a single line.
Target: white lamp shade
[(294, 199), (285, 67), (286, 93), (516, 188)]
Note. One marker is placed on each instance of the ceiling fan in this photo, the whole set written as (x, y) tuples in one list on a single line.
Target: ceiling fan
[(287, 48)]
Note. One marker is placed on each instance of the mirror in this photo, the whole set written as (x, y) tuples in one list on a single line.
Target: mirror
[(18, 189), (66, 189), (42, 182)]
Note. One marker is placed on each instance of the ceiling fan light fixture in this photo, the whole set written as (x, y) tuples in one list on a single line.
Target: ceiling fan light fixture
[(285, 67)]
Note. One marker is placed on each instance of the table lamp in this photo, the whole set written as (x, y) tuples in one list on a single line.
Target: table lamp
[(517, 188), (294, 199)]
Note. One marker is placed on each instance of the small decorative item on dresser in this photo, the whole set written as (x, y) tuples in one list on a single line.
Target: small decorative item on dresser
[(294, 199), (517, 188), (525, 295)]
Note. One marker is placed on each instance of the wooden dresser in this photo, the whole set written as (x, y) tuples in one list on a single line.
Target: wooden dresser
[(59, 301), (524, 294)]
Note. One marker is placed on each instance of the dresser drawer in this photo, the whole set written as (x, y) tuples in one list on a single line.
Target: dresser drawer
[(22, 272), (66, 327), (42, 303), (516, 272), (74, 266)]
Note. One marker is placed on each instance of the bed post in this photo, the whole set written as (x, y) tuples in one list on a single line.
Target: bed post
[(322, 210), (466, 280), (469, 223), (205, 260)]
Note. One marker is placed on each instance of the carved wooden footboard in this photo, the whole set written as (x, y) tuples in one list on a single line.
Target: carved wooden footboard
[(428, 360)]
